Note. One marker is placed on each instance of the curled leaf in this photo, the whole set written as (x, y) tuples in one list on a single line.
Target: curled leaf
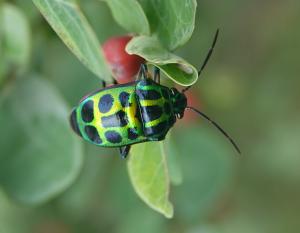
[(173, 66)]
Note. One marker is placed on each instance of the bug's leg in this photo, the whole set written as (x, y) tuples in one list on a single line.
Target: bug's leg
[(143, 73), (104, 83), (156, 74), (124, 151), (115, 82)]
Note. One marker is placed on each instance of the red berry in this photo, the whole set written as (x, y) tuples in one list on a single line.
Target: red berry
[(124, 66)]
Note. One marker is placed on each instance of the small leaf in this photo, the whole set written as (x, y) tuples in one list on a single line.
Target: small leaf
[(173, 21), (173, 66), (130, 15), (148, 172), (15, 39), (70, 24), (40, 156)]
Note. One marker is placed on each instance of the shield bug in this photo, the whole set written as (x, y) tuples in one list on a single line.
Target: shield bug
[(135, 112)]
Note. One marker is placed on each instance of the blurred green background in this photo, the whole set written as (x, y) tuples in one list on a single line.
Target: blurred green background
[(250, 86)]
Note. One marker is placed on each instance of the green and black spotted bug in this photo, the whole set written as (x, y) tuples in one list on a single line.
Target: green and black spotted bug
[(136, 112)]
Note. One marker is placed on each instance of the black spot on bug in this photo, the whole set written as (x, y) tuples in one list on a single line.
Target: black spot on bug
[(113, 136), (92, 134), (132, 134), (148, 94), (105, 103), (74, 123), (167, 108), (124, 99), (160, 128), (87, 111), (116, 120), (165, 94), (151, 113)]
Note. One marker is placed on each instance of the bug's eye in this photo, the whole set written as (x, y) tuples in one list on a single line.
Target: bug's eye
[(179, 115)]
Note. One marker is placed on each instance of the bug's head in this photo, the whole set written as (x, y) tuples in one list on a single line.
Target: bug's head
[(179, 102)]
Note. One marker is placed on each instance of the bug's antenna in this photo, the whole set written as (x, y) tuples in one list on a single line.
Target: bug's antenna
[(217, 126), (206, 58), (209, 52)]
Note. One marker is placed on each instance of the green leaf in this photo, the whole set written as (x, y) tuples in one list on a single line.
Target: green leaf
[(173, 160), (130, 15), (15, 39), (172, 21), (40, 155), (148, 172), (173, 66), (70, 24)]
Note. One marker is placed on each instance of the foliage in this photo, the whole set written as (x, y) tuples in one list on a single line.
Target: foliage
[(40, 161), (130, 15), (52, 182), (149, 174), (171, 65), (70, 24), (16, 41)]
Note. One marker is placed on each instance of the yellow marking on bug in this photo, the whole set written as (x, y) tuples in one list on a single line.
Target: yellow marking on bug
[(164, 117), (152, 102)]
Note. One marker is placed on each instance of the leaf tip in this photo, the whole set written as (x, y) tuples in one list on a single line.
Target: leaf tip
[(168, 212)]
